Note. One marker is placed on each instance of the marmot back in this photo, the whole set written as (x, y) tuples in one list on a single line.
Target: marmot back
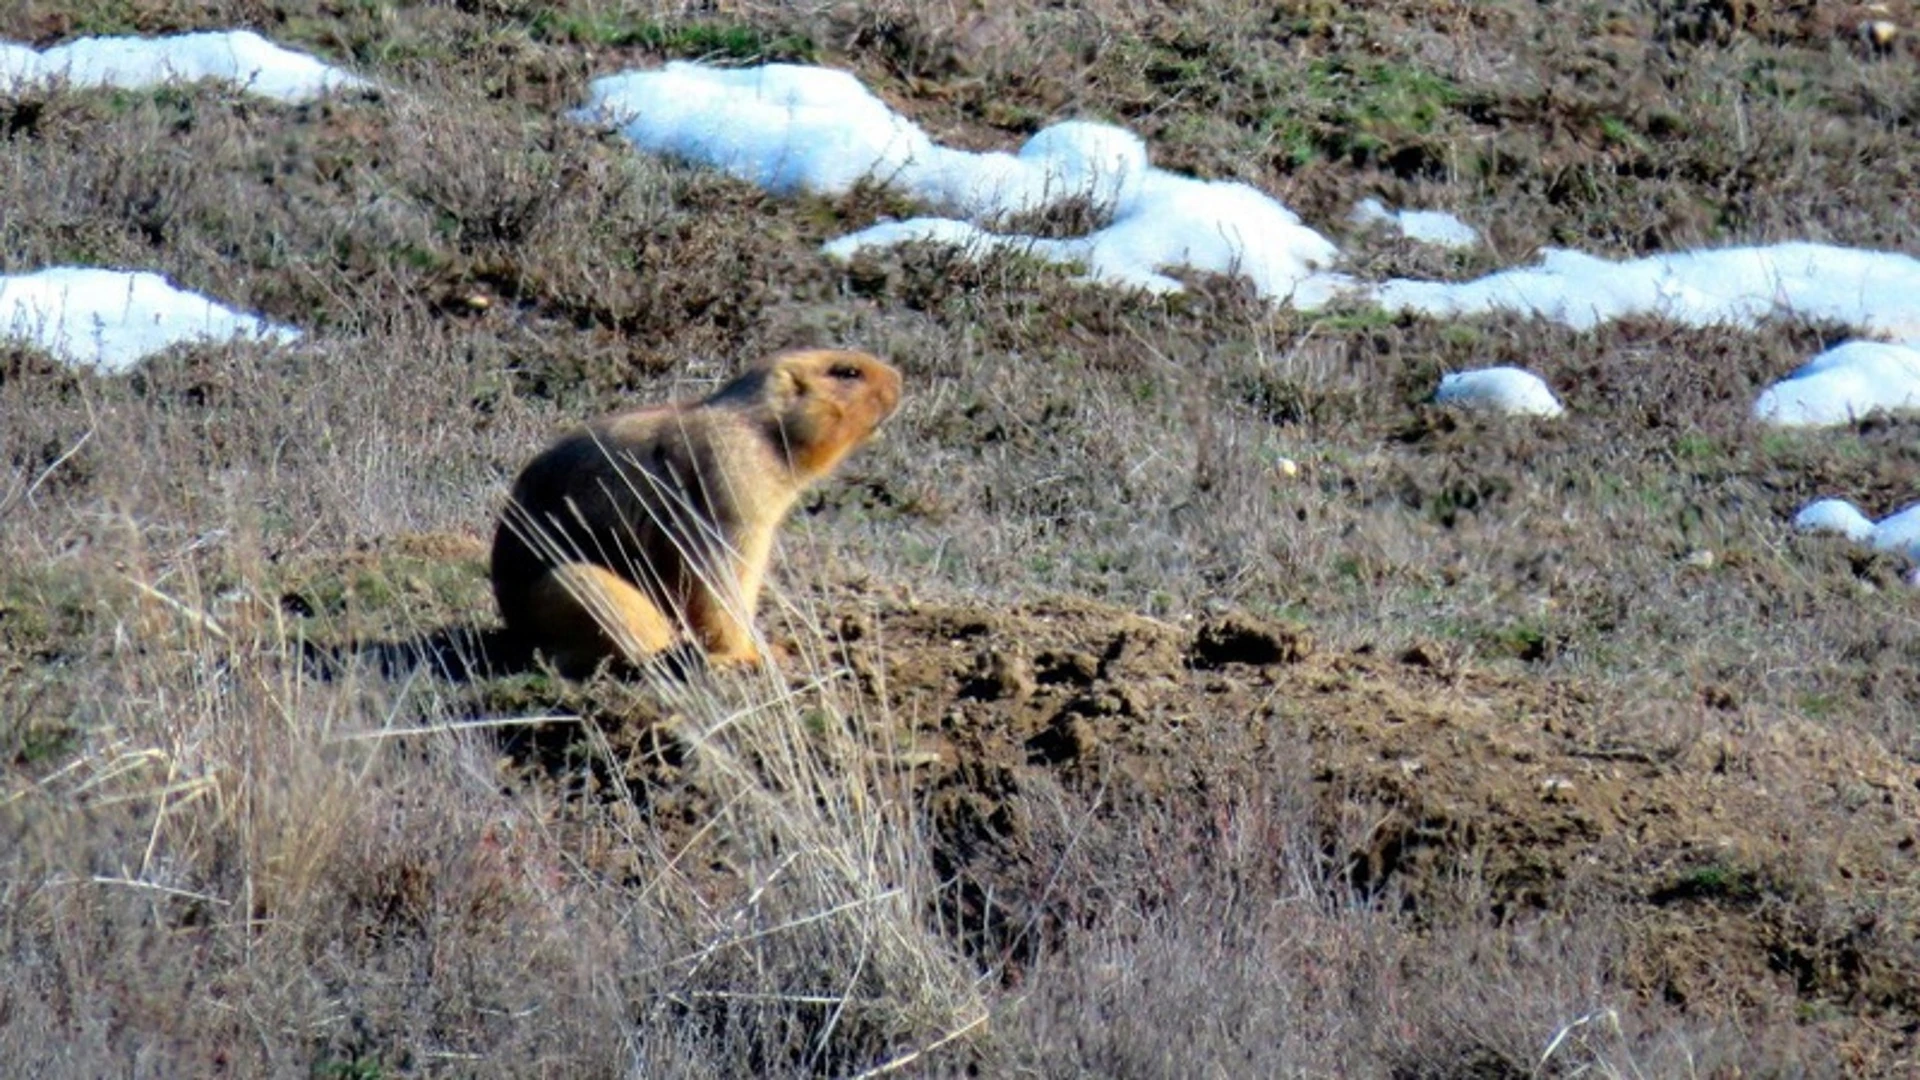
[(654, 526)]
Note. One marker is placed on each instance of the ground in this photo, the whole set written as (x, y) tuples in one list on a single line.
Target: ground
[(1105, 744)]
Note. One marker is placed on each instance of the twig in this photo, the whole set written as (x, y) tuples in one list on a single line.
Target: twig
[(115, 768), (909, 1058), (819, 916), (65, 455), (205, 620), (189, 790), (1569, 1028), (458, 725), (134, 883), (741, 995), (159, 818)]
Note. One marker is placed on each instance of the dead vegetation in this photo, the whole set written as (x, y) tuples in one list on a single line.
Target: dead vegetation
[(1527, 750)]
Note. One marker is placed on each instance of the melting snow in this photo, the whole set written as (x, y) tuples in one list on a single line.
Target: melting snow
[(783, 127), (1167, 222), (1426, 226), (1844, 383), (1898, 532), (1503, 389), (1834, 516), (111, 319), (791, 128), (240, 57), (1871, 290)]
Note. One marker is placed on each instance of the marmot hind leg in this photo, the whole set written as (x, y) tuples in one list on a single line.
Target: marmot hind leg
[(722, 622), (583, 614)]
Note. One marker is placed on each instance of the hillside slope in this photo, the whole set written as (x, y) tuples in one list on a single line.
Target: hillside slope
[(1174, 689)]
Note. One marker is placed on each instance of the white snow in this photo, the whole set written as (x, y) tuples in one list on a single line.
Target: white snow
[(795, 128), (1504, 389), (1425, 226), (111, 319), (240, 57), (1164, 222), (791, 128), (1898, 532), (1834, 516), (1844, 383), (1874, 291), (783, 127)]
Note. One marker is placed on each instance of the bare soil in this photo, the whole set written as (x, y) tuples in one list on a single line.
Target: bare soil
[(1744, 862)]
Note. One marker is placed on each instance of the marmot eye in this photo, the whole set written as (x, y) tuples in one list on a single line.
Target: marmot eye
[(846, 371)]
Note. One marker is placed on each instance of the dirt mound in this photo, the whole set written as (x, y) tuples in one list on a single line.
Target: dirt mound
[(1757, 858), (1747, 856), (1761, 855)]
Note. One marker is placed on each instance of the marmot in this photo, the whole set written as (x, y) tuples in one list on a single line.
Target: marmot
[(654, 526)]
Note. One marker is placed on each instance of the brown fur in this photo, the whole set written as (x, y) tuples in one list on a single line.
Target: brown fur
[(655, 525)]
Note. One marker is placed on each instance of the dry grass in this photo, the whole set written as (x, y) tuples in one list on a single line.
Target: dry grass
[(231, 861), (218, 856)]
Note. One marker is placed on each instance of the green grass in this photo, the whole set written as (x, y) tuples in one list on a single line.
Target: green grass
[(700, 39), (1360, 112)]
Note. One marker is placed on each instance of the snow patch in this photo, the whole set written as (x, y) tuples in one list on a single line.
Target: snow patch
[(1898, 533), (782, 127), (791, 128), (1834, 516), (1166, 223), (240, 57), (111, 319), (1425, 226), (1875, 291), (1504, 389), (1842, 384)]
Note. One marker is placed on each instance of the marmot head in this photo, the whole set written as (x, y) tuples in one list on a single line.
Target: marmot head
[(822, 403)]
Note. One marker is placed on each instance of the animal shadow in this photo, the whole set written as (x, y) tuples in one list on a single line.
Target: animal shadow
[(459, 654), (466, 655)]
